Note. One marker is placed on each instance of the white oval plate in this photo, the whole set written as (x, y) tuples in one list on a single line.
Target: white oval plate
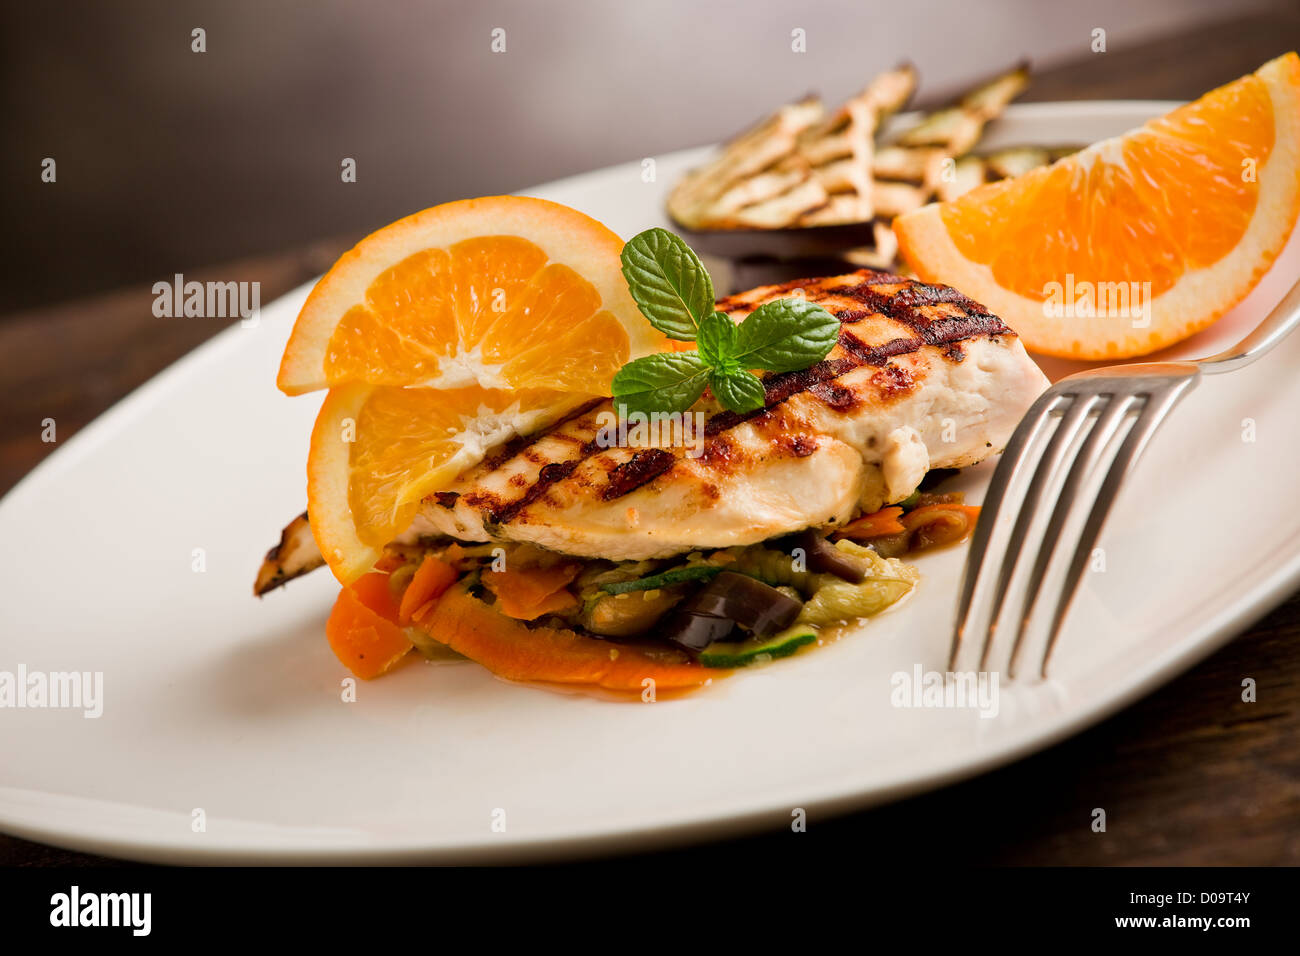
[(227, 710)]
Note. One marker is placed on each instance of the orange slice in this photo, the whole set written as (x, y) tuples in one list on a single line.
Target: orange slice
[(377, 450), (502, 292), (1136, 242)]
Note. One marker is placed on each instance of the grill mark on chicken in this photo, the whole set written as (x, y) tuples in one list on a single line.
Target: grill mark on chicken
[(640, 469), (295, 554), (520, 443), (501, 512), (836, 396), (876, 303), (718, 451), (893, 380), (877, 354), (903, 306), (797, 446), (780, 388)]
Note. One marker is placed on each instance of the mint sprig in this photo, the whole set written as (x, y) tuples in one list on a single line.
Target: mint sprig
[(675, 293)]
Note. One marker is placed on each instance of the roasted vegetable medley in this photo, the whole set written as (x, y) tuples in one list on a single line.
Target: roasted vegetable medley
[(726, 608)]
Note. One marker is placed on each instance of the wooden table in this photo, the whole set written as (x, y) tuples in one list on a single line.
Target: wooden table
[(1190, 775)]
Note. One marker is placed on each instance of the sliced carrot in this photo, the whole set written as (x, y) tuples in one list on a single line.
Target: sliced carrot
[(882, 522), (389, 563), (561, 600), (515, 651), (421, 612), (431, 579), (528, 593), (454, 554), (364, 640), (932, 526), (372, 590)]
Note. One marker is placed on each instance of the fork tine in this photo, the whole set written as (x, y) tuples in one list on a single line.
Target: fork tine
[(1022, 439), (1153, 413), (1091, 452), (1054, 461)]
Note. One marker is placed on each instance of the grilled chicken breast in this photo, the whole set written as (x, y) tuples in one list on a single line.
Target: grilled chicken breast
[(295, 555), (922, 377)]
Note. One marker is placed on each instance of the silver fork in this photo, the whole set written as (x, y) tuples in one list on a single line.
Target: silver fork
[(1103, 419)]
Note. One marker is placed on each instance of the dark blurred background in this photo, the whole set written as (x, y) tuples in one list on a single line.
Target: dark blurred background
[(170, 160)]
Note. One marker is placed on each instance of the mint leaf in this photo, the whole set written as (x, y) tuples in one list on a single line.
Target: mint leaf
[(669, 283), (717, 342), (663, 382), (785, 336), (740, 391), (673, 290)]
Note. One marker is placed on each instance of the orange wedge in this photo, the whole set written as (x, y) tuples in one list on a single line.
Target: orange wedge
[(1136, 242), (501, 292)]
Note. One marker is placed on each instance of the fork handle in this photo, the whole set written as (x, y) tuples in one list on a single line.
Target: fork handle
[(1276, 327)]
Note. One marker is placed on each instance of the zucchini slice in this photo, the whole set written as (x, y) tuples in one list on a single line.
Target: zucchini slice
[(690, 572), (744, 653)]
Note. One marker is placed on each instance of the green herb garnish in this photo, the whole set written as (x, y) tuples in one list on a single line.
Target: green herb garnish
[(674, 292)]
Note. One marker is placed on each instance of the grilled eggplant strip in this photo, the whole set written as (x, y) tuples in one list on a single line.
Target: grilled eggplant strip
[(760, 188), (891, 90), (747, 155), (804, 167), (782, 209), (990, 99), (967, 173), (879, 256), (294, 556), (958, 128), (920, 165), (799, 162), (896, 199), (836, 211), (1009, 163), (953, 131)]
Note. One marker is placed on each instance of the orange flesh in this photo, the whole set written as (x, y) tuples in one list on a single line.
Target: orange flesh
[(540, 323)]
